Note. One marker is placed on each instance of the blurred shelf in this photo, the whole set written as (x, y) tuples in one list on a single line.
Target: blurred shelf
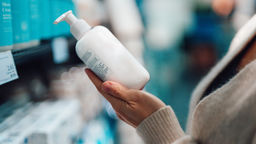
[(37, 59), (21, 56), (24, 55)]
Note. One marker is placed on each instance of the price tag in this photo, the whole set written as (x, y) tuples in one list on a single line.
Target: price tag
[(8, 70)]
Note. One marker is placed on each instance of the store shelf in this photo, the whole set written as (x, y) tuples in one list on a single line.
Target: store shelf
[(36, 59), (24, 55), (21, 56)]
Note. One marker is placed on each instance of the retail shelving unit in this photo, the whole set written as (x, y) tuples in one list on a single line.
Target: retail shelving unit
[(24, 55), (36, 60)]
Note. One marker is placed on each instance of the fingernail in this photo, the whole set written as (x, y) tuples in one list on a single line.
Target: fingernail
[(107, 86), (86, 69)]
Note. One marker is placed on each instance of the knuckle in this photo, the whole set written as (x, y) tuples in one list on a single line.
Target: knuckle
[(117, 91), (136, 96)]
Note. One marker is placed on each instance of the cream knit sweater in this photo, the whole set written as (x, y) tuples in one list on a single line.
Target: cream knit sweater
[(226, 116)]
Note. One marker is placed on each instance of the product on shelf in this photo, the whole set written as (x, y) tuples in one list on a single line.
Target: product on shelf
[(11, 114), (44, 122), (45, 22), (18, 132), (57, 7), (61, 126), (5, 25), (34, 20), (29, 21), (20, 23)]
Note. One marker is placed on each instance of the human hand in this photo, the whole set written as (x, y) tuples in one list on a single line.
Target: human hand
[(132, 106)]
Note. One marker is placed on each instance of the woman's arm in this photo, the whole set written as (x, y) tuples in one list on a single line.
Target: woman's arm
[(155, 122)]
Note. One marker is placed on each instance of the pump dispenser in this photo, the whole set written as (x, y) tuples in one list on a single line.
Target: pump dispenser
[(78, 27), (102, 52)]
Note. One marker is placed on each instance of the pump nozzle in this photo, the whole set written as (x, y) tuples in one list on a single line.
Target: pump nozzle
[(78, 27), (64, 17)]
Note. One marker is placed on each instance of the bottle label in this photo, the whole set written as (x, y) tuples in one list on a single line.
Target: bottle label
[(95, 64)]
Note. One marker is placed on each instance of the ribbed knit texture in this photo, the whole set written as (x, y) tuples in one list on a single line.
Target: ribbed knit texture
[(226, 116), (161, 127)]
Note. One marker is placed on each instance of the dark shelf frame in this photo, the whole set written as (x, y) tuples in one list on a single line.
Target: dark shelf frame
[(27, 54)]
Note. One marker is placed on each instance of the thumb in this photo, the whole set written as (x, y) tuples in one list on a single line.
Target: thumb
[(116, 90)]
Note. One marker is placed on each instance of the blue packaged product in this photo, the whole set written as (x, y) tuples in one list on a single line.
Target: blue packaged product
[(45, 21), (56, 10), (65, 5), (5, 25), (34, 20), (20, 23), (68, 5)]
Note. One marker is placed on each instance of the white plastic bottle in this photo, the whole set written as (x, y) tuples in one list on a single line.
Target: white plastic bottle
[(102, 52)]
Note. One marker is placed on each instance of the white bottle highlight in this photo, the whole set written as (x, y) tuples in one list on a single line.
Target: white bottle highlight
[(102, 52)]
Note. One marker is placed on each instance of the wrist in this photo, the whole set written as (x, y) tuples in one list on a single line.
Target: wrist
[(161, 126)]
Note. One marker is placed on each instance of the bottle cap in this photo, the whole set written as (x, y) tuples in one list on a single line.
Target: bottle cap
[(78, 27)]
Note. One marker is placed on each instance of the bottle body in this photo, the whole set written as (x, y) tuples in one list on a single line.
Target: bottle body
[(102, 52)]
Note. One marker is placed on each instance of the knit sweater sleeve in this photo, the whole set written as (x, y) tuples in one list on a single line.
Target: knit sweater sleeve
[(161, 127)]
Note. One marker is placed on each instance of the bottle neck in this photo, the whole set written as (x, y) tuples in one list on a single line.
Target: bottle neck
[(70, 19), (79, 28)]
